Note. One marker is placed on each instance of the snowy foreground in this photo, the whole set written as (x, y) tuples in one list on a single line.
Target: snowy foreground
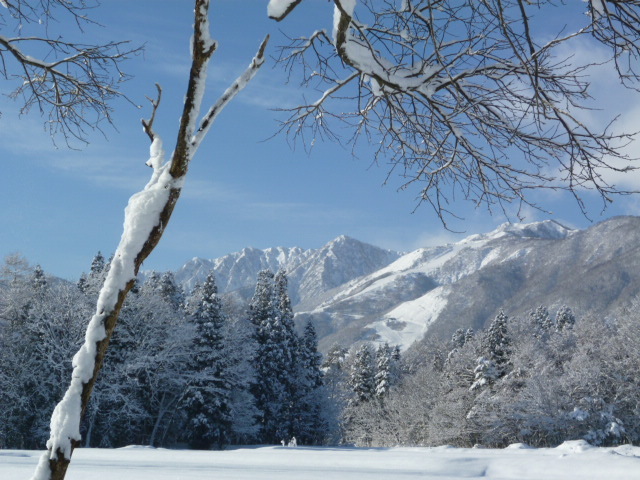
[(571, 461)]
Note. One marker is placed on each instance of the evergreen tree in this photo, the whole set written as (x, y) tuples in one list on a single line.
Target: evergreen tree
[(82, 283), (261, 307), (312, 428), (208, 398), (468, 335), (496, 341), (496, 346), (310, 358), (485, 373), (361, 379), (284, 313), (170, 291), (293, 369), (97, 265), (279, 387), (38, 281), (541, 320), (458, 338), (90, 284), (335, 374), (564, 318), (383, 375), (271, 362)]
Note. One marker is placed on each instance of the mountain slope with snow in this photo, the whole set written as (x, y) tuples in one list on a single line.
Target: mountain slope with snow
[(463, 285), (311, 272), (354, 292)]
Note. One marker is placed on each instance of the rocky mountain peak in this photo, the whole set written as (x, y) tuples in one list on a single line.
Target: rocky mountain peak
[(354, 291)]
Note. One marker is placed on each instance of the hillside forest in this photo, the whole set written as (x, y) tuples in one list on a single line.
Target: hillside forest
[(193, 369)]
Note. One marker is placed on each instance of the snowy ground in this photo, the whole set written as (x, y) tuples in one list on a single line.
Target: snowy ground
[(571, 461)]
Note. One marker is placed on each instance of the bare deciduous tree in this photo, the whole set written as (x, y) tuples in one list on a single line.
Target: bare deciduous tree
[(71, 84), (459, 95), (466, 99), (616, 23), (146, 217)]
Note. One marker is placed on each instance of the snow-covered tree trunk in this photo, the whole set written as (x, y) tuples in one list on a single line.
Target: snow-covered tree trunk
[(146, 217)]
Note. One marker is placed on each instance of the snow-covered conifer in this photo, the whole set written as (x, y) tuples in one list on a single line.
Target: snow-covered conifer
[(97, 264), (383, 371), (311, 395), (272, 361), (284, 313), (468, 335), (91, 284), (361, 379), (496, 341), (565, 318), (458, 338), (170, 291), (541, 320), (335, 376), (485, 373), (496, 345), (261, 307), (38, 280), (82, 282), (208, 397), (310, 358)]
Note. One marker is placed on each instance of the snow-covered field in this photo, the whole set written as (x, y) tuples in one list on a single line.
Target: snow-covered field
[(571, 461)]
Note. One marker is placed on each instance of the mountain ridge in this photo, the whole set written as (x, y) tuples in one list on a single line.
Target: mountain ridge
[(311, 272), (354, 291)]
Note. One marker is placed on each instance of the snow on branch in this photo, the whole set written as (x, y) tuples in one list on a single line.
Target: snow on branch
[(279, 9), (237, 86), (463, 98), (146, 216)]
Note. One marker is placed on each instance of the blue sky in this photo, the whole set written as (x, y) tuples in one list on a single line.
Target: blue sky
[(60, 206)]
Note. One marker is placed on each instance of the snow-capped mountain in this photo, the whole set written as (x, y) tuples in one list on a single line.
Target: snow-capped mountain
[(399, 302), (353, 291), (463, 285), (311, 272)]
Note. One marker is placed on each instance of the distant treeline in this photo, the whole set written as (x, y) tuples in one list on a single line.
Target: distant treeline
[(188, 370), (538, 380)]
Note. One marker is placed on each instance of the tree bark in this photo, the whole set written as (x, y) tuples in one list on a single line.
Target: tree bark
[(54, 463)]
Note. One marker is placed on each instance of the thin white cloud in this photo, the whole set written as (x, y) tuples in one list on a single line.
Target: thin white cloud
[(610, 101), (243, 203), (200, 190)]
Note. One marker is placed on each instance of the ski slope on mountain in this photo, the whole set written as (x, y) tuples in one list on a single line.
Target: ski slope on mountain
[(355, 292), (399, 302)]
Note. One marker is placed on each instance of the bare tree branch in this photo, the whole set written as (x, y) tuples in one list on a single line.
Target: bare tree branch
[(228, 95), (462, 98), (616, 23), (279, 9), (147, 125), (75, 90), (146, 218)]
